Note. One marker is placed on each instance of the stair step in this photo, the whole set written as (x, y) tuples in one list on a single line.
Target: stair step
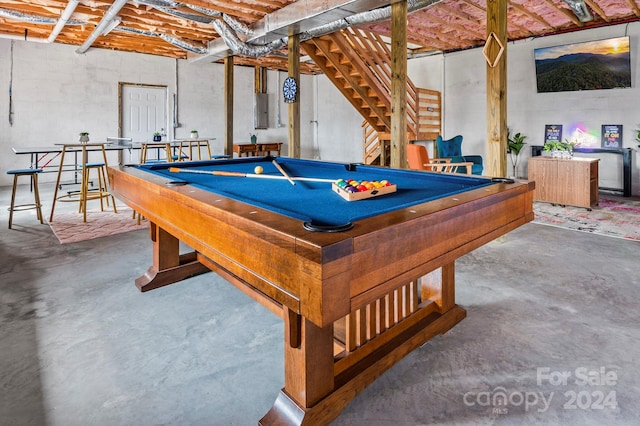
[(344, 48)]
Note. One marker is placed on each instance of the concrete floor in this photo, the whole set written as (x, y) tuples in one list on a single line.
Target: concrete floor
[(79, 345)]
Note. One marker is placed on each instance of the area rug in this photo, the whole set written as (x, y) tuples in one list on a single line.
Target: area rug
[(70, 228), (612, 218)]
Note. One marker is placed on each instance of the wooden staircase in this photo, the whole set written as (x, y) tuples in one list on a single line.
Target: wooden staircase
[(358, 63)]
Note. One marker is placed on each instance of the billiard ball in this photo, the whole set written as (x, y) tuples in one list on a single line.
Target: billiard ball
[(258, 170)]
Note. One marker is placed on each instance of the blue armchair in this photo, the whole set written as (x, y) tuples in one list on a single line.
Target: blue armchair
[(452, 148)]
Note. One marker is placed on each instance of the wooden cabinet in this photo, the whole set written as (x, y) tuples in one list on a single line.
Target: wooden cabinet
[(568, 182)]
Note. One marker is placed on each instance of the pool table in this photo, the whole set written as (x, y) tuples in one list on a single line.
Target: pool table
[(368, 282)]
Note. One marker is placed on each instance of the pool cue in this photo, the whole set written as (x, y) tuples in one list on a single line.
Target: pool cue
[(281, 170), (246, 175)]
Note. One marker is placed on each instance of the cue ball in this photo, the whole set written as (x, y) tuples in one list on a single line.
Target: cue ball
[(258, 170)]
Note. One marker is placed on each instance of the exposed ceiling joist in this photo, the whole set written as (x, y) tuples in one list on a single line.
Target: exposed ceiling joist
[(448, 26), (570, 15)]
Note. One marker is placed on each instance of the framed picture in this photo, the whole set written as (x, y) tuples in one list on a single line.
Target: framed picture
[(612, 136), (592, 65), (552, 133)]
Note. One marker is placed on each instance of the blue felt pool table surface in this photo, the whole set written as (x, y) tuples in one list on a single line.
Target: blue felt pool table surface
[(316, 202)]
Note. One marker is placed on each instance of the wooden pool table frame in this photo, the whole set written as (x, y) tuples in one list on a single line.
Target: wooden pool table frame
[(353, 303)]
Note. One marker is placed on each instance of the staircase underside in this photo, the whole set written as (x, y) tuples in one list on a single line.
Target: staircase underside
[(358, 63)]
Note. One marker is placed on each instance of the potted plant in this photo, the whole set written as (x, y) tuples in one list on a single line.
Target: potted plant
[(84, 137), (515, 145), (157, 137), (560, 149), (194, 134)]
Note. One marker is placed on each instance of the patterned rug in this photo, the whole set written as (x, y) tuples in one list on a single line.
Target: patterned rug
[(69, 227), (613, 218)]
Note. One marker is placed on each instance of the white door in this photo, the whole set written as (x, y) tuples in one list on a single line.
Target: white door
[(144, 112)]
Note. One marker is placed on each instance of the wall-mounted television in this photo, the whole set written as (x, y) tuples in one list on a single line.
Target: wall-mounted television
[(592, 65)]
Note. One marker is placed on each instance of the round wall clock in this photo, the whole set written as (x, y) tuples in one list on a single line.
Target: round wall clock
[(290, 89)]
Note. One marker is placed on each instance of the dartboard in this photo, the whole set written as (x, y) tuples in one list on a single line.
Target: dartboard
[(290, 89)]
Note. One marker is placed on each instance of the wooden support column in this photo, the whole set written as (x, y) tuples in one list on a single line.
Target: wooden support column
[(495, 52), (228, 105), (294, 107), (399, 85), (260, 79)]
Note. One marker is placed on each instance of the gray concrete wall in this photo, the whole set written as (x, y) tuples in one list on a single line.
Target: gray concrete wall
[(57, 93)]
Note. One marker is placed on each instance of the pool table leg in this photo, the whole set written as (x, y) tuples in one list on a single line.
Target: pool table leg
[(169, 266), (308, 374), (318, 386)]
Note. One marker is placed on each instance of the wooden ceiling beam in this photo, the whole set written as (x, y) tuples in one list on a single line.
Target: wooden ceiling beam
[(519, 28), (475, 35), (28, 9), (424, 36), (634, 6), (459, 14), (31, 31), (429, 41), (475, 5), (276, 4), (237, 9), (467, 22), (532, 15), (566, 12), (158, 49), (512, 22), (141, 23), (451, 42), (596, 8)]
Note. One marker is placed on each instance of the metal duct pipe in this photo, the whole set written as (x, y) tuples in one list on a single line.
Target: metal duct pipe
[(33, 19), (182, 44), (237, 26), (159, 3), (168, 38), (362, 18), (19, 16), (208, 12), (190, 16), (247, 49), (136, 31), (580, 9), (106, 20), (62, 21), (241, 48)]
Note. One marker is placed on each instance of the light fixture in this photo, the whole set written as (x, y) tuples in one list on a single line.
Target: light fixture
[(580, 9), (114, 23)]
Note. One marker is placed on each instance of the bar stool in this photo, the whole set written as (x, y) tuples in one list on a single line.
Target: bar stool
[(144, 150), (100, 169), (196, 144), (84, 194), (33, 174)]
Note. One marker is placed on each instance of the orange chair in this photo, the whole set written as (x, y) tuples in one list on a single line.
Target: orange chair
[(418, 159)]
